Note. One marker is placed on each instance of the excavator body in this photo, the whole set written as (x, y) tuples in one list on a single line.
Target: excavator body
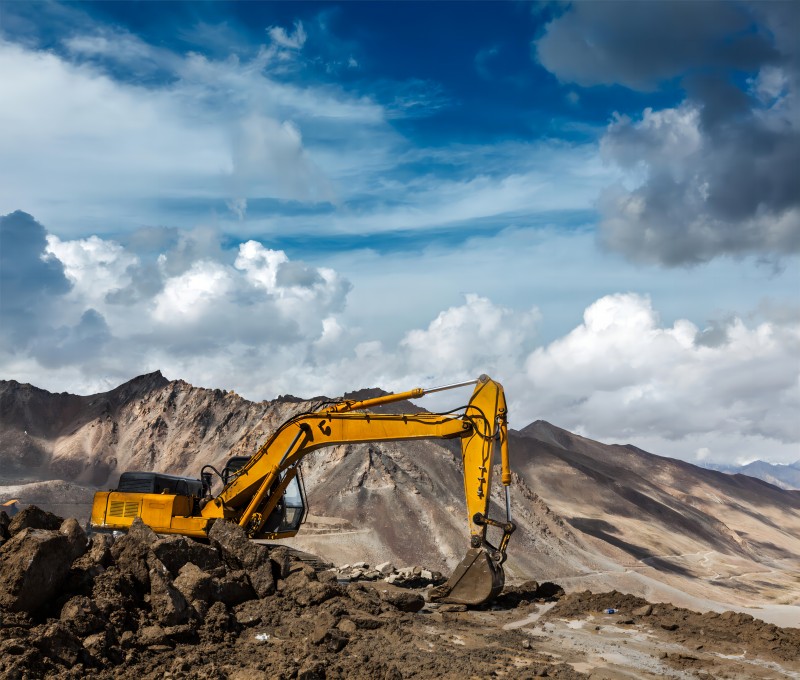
[(264, 493)]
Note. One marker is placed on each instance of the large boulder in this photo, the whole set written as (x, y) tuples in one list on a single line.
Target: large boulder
[(167, 602), (76, 536), (34, 518), (177, 551), (33, 566), (82, 615), (240, 552), (131, 553), (194, 583)]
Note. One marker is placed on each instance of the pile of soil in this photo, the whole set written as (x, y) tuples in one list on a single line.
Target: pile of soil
[(149, 606), (725, 633)]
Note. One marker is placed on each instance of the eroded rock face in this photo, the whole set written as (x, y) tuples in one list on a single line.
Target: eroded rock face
[(33, 566)]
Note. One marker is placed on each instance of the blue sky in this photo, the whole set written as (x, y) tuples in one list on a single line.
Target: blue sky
[(597, 203)]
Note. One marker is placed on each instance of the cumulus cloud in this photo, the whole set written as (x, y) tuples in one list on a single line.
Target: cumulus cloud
[(716, 174), (259, 322), (621, 373)]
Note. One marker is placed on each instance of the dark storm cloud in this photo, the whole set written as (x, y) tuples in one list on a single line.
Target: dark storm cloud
[(719, 172), (640, 44), (73, 345), (29, 279)]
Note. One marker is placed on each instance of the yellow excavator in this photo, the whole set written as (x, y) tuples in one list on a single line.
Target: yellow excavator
[(264, 493)]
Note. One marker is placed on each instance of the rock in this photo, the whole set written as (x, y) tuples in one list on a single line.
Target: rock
[(59, 643), (76, 536), (669, 626), (372, 575), (360, 565), (241, 553), (177, 551), (5, 520), (97, 644), (33, 566), (393, 578), (82, 615), (142, 532), (427, 575), (263, 580), (402, 600), (281, 562), (315, 593), (453, 608), (365, 598), (646, 610), (233, 589), (131, 551), (194, 583), (151, 635), (34, 518), (416, 571), (385, 568), (99, 553), (347, 626), (114, 593), (366, 621), (167, 602)]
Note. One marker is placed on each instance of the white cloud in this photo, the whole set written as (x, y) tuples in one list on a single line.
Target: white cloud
[(622, 374), (190, 296), (96, 267), (265, 325), (294, 40)]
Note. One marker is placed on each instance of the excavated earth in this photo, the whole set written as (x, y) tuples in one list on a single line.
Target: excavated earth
[(149, 606)]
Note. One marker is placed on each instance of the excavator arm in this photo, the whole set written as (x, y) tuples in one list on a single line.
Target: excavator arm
[(252, 495)]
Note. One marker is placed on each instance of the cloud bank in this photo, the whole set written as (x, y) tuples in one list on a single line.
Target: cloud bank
[(258, 322), (717, 174)]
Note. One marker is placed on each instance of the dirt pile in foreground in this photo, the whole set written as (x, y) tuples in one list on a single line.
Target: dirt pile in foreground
[(147, 606)]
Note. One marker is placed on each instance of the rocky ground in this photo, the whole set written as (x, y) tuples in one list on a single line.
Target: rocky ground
[(145, 606)]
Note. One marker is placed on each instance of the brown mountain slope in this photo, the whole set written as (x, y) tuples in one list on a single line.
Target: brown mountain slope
[(589, 514)]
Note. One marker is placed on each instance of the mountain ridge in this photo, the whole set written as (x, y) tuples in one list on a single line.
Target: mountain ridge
[(588, 513)]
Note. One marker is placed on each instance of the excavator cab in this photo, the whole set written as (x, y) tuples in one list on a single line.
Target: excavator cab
[(289, 512)]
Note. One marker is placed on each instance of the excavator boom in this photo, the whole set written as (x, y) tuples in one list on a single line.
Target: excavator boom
[(256, 490)]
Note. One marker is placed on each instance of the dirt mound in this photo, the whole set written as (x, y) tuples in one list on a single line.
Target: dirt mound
[(724, 633), (142, 605)]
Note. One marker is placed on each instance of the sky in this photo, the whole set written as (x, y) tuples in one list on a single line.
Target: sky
[(597, 204)]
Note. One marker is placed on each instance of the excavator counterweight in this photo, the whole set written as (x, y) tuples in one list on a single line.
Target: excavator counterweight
[(264, 493)]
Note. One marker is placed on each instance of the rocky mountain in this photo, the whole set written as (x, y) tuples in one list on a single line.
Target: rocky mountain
[(783, 476), (589, 514)]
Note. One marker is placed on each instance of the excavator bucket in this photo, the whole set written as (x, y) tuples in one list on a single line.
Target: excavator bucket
[(476, 579)]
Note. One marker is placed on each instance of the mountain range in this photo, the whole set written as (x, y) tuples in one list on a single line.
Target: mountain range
[(783, 476), (589, 515)]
